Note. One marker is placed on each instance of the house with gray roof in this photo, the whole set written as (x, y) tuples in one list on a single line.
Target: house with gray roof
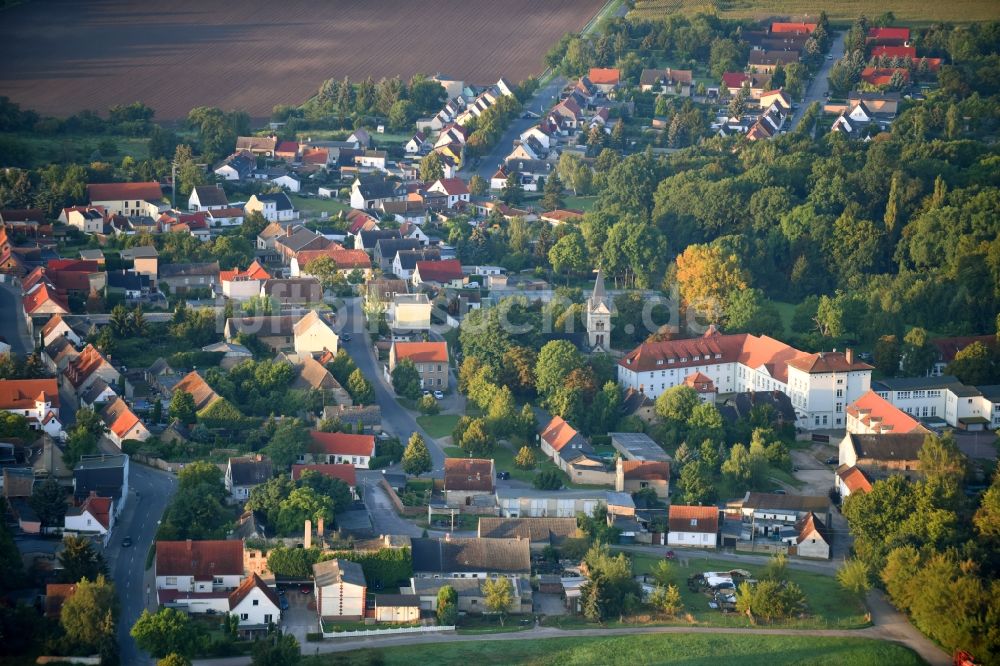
[(464, 557)]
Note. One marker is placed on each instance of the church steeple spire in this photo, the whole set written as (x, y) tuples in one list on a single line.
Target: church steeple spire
[(599, 294)]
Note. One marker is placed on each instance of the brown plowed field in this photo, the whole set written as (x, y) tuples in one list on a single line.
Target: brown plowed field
[(59, 57)]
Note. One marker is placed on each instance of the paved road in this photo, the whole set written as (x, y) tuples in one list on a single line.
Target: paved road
[(889, 625), (817, 89), (150, 492), (395, 419), (13, 328), (383, 514)]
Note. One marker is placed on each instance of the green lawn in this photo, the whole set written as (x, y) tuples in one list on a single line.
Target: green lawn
[(580, 203), (438, 425), (686, 649), (830, 606), (313, 206)]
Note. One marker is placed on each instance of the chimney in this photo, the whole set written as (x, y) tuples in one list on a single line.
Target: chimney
[(288, 230), (189, 545), (319, 528), (447, 536), (849, 355), (308, 537)]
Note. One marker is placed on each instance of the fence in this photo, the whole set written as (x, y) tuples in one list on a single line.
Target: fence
[(397, 503), (772, 547), (385, 632), (158, 463)]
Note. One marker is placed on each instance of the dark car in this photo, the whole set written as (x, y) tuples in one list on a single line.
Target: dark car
[(283, 602), (126, 542), (832, 460), (503, 476), (346, 337)]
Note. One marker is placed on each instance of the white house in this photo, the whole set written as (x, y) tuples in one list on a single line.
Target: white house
[(123, 424), (693, 526), (275, 207), (416, 143), (454, 188), (207, 197), (943, 399), (239, 166), (129, 199), (94, 516), (288, 181), (56, 327), (88, 219), (313, 335), (340, 589), (371, 159), (339, 447), (35, 399), (820, 386), (254, 603), (246, 473)]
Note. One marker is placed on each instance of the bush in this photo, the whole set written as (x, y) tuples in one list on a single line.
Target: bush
[(428, 404), (548, 479), (314, 636)]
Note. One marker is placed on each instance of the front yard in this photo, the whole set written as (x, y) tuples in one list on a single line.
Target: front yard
[(438, 425)]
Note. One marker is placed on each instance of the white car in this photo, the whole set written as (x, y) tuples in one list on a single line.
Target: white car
[(439, 395)]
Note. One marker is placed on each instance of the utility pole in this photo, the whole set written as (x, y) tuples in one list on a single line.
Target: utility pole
[(173, 185)]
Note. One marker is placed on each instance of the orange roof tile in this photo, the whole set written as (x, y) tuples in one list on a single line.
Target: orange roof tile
[(558, 433), (604, 75), (855, 480), (694, 519), (646, 470), (880, 415), (249, 583), (422, 352), (341, 471), (340, 443), (84, 365), (199, 389), (22, 393), (253, 272), (201, 559), (124, 191), (99, 508), (42, 294)]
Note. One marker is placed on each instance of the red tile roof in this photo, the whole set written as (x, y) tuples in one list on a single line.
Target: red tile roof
[(199, 389), (558, 433), (342, 444), (56, 595), (445, 270), (84, 365), (796, 28), (124, 191), (894, 51), (948, 347), (119, 418), (99, 508), (700, 382), (735, 79), (880, 415), (894, 34), (51, 324), (316, 156), (219, 213), (22, 393), (824, 362), (882, 76), (468, 474), (706, 519), (855, 480), (253, 272), (201, 559), (645, 470), (341, 471), (287, 148), (604, 76), (453, 186), (342, 257), (44, 294), (422, 352), (249, 583)]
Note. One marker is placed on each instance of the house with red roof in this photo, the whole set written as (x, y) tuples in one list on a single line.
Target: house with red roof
[(868, 457), (888, 36), (339, 448), (288, 151), (693, 526), (88, 219), (873, 414), (454, 189), (241, 285), (43, 299), (632, 476), (341, 471), (128, 199), (444, 273), (758, 83), (89, 366), (430, 358), (345, 259), (122, 423), (35, 399), (56, 327), (819, 386), (605, 79), (572, 453), (948, 348), (703, 386), (849, 480), (882, 76), (93, 516), (779, 28), (197, 566)]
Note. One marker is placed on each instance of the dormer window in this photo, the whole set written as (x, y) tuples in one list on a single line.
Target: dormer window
[(684, 359), (659, 361), (718, 356), (695, 358), (671, 360)]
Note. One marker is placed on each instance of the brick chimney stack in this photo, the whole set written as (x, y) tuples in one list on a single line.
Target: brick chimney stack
[(308, 536), (319, 528), (849, 355)]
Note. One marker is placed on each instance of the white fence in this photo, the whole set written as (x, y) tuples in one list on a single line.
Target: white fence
[(384, 632)]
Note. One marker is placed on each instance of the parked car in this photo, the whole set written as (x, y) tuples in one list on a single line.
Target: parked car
[(126, 542), (305, 589), (832, 460), (283, 602), (778, 491), (439, 395), (346, 337), (503, 476)]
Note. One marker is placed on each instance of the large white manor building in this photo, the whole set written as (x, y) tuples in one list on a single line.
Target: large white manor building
[(820, 385)]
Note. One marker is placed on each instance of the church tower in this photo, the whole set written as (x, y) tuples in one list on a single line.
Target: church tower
[(599, 317)]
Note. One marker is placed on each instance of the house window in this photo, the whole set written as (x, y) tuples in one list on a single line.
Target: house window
[(171, 580), (267, 618), (256, 602), (840, 393), (840, 407), (244, 616)]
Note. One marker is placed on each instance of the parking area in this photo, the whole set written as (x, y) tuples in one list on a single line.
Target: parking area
[(300, 617), (548, 604)]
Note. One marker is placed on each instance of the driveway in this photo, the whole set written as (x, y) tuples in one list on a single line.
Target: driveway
[(816, 92), (13, 328), (300, 618), (383, 514)]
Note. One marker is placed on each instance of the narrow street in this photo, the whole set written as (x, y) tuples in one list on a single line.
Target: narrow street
[(816, 92), (13, 328), (396, 420), (150, 491)]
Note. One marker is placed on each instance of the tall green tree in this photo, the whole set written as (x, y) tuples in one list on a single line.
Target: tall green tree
[(406, 379), (90, 614), (80, 560), (416, 457), (182, 407), (166, 631)]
